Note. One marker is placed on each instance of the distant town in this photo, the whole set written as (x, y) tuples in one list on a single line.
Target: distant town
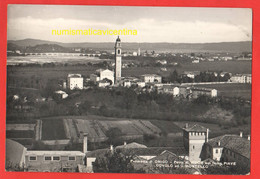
[(147, 112)]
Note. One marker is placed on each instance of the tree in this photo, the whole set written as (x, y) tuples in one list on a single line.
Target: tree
[(114, 162), (173, 76), (114, 135)]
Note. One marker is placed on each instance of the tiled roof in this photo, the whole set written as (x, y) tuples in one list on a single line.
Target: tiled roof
[(149, 151), (201, 89), (50, 152), (153, 151), (167, 155), (131, 145), (97, 153), (195, 128), (232, 142), (74, 76)]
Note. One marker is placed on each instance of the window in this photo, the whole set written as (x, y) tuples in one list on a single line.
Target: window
[(216, 151), (72, 158), (47, 158), (118, 51), (193, 147), (56, 158), (32, 158)]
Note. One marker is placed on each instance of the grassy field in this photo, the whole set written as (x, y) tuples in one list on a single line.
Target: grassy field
[(167, 126), (231, 90)]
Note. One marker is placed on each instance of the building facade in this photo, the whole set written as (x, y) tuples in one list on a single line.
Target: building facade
[(241, 78), (194, 138), (75, 81), (151, 78)]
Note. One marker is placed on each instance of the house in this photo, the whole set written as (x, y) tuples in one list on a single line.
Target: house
[(195, 61), (162, 62), (229, 148), (151, 78), (127, 83), (171, 89), (140, 84), (104, 83), (102, 74), (75, 81), (191, 74), (61, 94)]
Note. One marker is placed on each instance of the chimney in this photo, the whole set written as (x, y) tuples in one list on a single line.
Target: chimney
[(112, 148), (186, 126), (218, 143), (241, 134), (125, 143), (85, 143), (248, 137), (207, 135)]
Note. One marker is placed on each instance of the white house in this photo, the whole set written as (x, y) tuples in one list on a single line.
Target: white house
[(75, 81)]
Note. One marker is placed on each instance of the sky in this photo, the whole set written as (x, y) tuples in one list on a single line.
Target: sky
[(153, 24)]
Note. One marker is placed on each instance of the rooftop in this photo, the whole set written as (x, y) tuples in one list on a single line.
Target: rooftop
[(155, 75), (74, 76), (202, 89), (131, 145), (233, 142), (14, 152), (50, 152)]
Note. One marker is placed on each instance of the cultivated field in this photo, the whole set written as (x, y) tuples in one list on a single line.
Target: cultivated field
[(53, 129), (59, 128), (233, 67), (61, 72)]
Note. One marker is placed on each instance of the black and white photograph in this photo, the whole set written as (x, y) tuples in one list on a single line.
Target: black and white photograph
[(128, 89)]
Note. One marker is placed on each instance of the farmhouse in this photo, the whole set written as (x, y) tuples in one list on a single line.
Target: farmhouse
[(75, 81)]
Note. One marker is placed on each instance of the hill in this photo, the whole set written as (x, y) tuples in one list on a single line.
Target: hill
[(245, 46)]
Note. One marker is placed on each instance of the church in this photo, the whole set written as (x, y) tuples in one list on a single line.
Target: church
[(102, 76)]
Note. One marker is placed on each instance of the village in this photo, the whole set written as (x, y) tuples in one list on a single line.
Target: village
[(197, 153)]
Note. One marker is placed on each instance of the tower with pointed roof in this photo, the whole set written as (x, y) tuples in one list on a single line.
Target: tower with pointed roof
[(118, 60), (194, 137)]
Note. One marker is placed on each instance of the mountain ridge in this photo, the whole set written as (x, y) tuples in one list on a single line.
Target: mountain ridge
[(240, 46)]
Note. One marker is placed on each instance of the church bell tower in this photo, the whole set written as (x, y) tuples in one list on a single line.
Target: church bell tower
[(118, 63)]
